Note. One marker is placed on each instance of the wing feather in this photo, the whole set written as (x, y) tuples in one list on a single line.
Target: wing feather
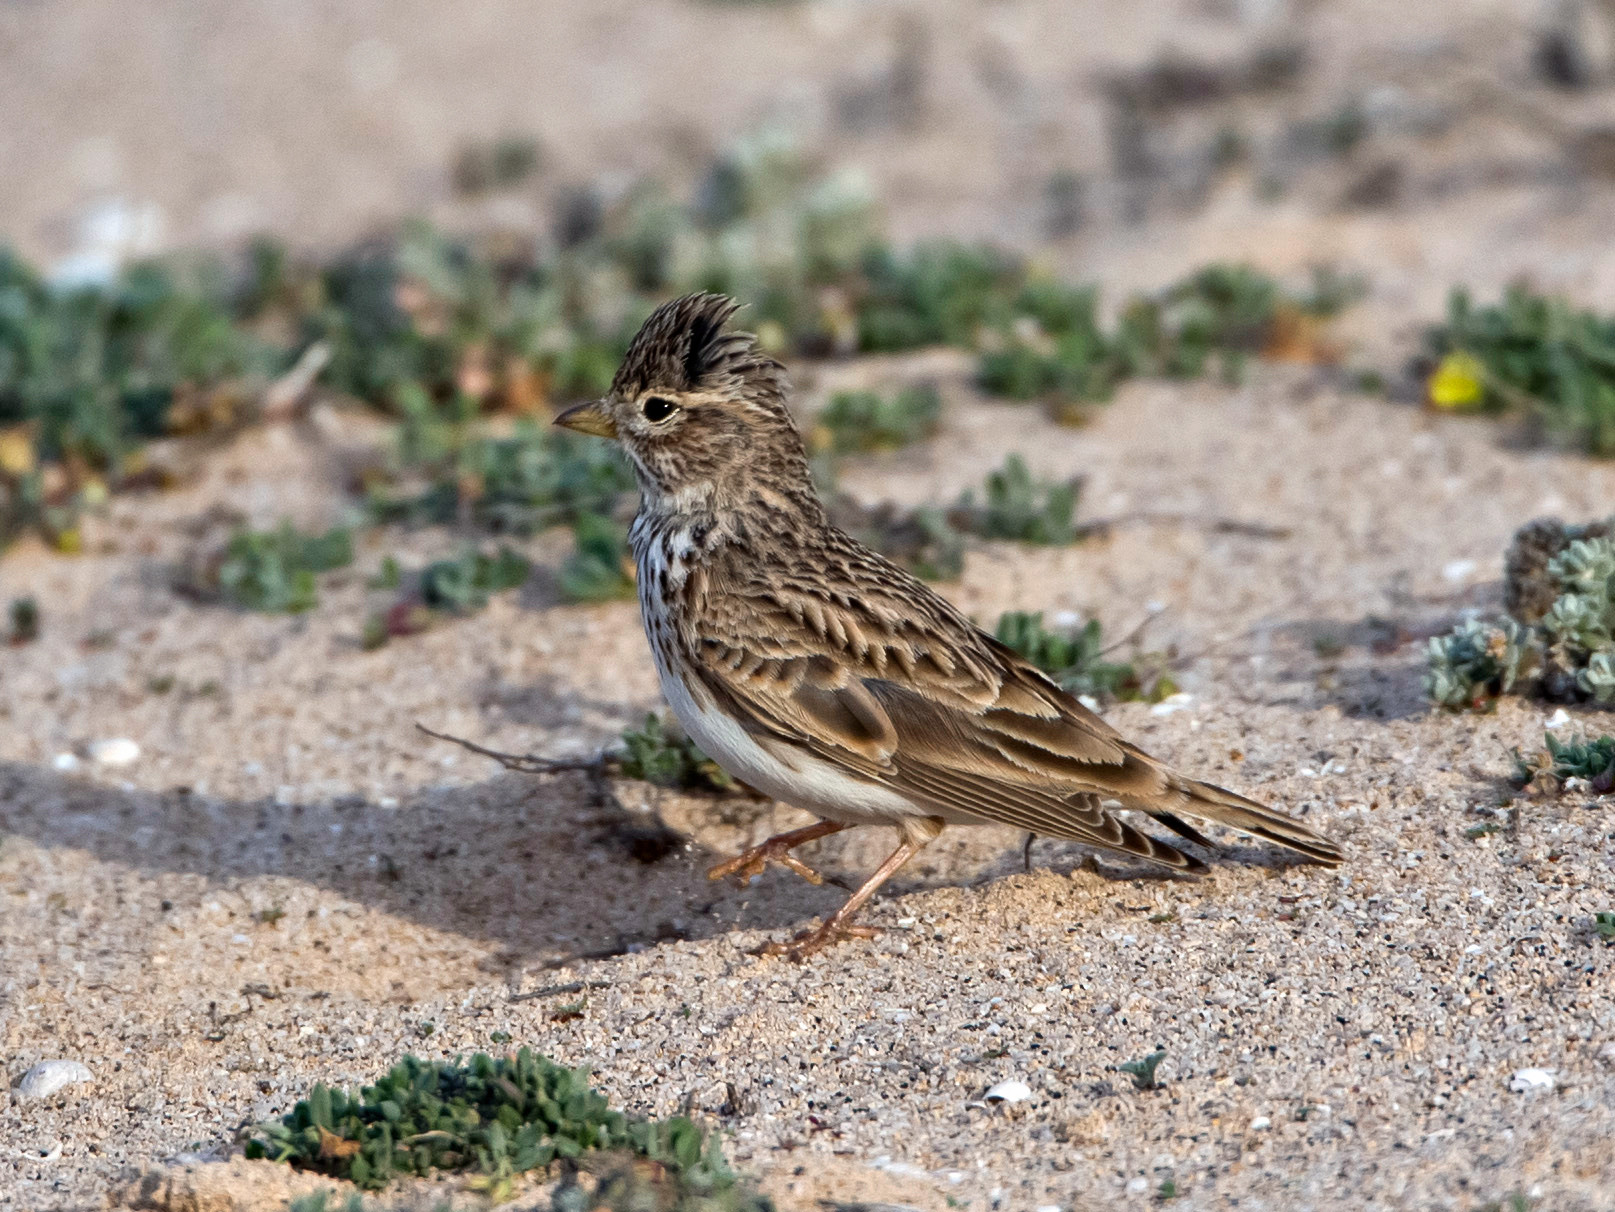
[(894, 685)]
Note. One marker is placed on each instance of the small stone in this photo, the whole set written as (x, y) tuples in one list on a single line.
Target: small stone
[(1530, 1081), (117, 751), (1172, 703), (1261, 1124), (1008, 1092), (1455, 571), (65, 762), (1559, 719), (47, 1077)]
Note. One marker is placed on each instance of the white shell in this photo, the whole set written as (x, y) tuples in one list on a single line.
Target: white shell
[(47, 1077), (118, 751), (1527, 1081), (1009, 1092)]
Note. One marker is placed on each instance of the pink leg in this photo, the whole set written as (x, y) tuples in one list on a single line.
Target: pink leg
[(776, 849)]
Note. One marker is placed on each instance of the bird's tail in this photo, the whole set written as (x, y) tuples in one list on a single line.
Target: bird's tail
[(1218, 804)]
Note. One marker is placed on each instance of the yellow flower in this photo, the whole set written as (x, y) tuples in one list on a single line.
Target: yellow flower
[(16, 452), (1459, 381)]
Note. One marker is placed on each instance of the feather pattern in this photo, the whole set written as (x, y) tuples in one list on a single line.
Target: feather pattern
[(822, 673)]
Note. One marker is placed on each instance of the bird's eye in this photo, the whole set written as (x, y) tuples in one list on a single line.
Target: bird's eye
[(657, 409)]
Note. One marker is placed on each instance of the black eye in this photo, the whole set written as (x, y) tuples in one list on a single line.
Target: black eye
[(657, 409)]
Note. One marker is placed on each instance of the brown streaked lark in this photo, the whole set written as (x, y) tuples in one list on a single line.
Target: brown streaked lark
[(820, 673)]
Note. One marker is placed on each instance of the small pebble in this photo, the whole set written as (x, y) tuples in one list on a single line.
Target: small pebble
[(65, 762), (1261, 1124), (1528, 1081), (1457, 570), (118, 751), (1009, 1092), (1559, 719), (47, 1077), (1171, 703)]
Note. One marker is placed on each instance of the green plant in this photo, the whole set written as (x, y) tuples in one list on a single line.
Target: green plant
[(499, 1117), (89, 373), (939, 293), (1549, 768), (1560, 640), (1604, 926), (1533, 355), (1075, 659), (668, 759), (274, 570), (1142, 1071), (865, 421), (463, 584), (1021, 508), (1052, 346), (1579, 628), (1476, 662), (600, 568), (518, 484), (24, 616)]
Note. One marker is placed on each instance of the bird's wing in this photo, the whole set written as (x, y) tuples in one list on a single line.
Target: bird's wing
[(869, 669)]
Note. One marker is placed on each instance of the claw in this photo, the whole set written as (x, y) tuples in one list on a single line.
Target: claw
[(752, 863), (809, 942)]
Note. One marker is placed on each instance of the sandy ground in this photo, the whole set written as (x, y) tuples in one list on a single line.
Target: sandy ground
[(1333, 1039), (293, 885)]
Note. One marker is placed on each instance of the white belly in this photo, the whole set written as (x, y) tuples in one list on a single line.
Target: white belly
[(797, 778)]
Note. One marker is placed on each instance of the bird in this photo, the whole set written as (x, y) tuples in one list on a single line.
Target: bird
[(819, 673)]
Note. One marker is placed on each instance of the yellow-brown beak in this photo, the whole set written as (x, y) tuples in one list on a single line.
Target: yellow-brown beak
[(590, 418)]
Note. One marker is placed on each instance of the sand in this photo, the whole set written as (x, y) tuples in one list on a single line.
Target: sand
[(290, 884)]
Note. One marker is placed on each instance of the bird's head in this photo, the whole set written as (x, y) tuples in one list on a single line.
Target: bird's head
[(700, 411)]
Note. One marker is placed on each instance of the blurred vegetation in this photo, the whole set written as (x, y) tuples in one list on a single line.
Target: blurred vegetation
[(1558, 641), (463, 584), (1020, 508), (499, 1117), (1051, 345), (23, 614), (275, 570), (863, 421), (662, 755), (443, 332), (1529, 355), (600, 568), (1075, 658)]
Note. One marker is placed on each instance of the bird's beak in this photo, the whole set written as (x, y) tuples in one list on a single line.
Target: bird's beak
[(591, 418)]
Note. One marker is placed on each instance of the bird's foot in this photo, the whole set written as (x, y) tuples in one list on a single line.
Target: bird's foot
[(744, 867), (810, 942)]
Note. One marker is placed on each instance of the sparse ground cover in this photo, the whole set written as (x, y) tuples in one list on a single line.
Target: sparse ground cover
[(294, 506)]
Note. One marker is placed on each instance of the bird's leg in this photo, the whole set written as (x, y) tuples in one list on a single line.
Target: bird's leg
[(840, 926), (777, 849)]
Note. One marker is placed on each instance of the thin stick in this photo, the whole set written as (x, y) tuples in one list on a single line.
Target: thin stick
[(528, 763)]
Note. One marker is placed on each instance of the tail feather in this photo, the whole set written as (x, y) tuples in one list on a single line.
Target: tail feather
[(1212, 803), (1220, 805)]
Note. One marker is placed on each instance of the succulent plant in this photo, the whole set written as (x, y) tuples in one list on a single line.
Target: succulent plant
[(1557, 761), (1476, 662)]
